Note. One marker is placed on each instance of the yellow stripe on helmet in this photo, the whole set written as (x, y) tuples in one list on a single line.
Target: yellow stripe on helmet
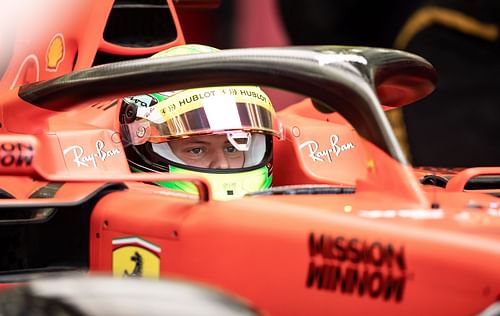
[(192, 99)]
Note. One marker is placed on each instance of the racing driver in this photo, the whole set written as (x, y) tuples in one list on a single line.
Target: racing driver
[(223, 133)]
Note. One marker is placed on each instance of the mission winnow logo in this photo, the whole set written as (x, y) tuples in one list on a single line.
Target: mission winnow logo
[(356, 267)]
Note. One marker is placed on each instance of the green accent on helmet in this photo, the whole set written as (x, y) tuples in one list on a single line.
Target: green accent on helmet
[(160, 97), (225, 186)]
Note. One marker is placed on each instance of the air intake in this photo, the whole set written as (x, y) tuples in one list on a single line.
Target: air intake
[(140, 23)]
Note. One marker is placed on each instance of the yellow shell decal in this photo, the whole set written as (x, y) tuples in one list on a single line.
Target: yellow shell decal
[(138, 260), (55, 52)]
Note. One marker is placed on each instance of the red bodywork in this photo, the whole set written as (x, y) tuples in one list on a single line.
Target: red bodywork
[(375, 241)]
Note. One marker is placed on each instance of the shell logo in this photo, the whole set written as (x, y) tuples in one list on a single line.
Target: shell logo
[(55, 52)]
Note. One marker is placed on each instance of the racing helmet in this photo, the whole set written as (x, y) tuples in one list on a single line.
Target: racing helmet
[(223, 133)]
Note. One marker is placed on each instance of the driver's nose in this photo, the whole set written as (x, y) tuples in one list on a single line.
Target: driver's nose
[(219, 160)]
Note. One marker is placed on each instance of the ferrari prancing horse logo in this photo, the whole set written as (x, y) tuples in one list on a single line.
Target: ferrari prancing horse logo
[(135, 257)]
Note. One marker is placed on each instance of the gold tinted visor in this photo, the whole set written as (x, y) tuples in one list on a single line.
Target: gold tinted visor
[(204, 111)]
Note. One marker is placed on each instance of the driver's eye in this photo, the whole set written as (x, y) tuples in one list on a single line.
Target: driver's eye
[(196, 150), (230, 149)]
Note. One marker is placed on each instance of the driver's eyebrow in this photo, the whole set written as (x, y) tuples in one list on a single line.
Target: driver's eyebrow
[(204, 142), (195, 142)]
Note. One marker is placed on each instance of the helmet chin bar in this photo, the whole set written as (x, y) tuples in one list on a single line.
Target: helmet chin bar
[(240, 140)]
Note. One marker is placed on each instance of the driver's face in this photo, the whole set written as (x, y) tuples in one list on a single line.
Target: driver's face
[(209, 151)]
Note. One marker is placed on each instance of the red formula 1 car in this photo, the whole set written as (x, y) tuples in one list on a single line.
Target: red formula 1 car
[(348, 226)]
